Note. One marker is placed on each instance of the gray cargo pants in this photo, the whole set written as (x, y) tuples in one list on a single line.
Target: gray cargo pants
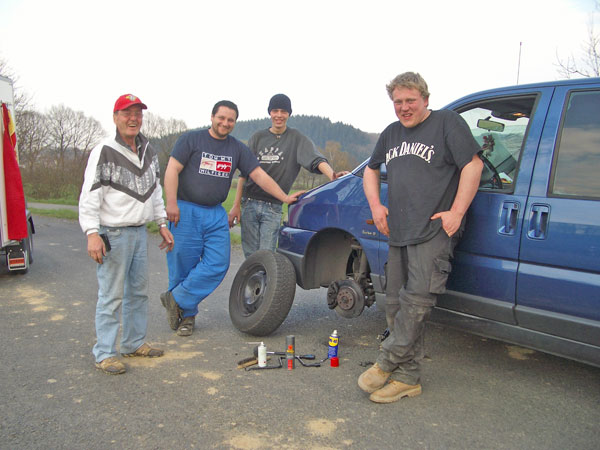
[(416, 274)]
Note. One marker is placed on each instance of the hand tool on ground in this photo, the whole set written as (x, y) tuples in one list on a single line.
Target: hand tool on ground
[(250, 361), (283, 354)]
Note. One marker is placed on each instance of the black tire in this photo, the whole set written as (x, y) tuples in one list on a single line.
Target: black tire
[(28, 242), (262, 293)]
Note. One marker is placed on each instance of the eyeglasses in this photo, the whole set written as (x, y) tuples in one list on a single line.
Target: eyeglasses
[(128, 114)]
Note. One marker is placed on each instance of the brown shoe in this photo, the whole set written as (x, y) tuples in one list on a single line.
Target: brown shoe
[(111, 366), (394, 391), (173, 309), (186, 327), (146, 351), (373, 379)]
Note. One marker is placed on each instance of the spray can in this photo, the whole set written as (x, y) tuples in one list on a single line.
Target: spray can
[(290, 353), (262, 355), (332, 352)]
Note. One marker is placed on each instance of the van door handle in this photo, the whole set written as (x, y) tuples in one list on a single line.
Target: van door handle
[(508, 218), (538, 222)]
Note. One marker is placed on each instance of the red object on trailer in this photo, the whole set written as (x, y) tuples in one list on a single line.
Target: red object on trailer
[(16, 223), (13, 184)]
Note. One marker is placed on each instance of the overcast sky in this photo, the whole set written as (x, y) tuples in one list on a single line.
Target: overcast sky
[(332, 58)]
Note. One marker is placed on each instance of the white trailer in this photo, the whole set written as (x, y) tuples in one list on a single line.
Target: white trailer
[(18, 253)]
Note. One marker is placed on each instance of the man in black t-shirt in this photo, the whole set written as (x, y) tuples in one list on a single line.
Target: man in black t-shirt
[(433, 171)]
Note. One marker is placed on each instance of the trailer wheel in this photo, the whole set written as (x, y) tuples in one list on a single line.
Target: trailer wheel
[(28, 242), (262, 293)]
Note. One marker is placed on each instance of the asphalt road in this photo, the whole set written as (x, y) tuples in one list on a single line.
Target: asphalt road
[(477, 393)]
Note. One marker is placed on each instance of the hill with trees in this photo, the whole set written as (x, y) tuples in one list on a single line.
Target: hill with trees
[(343, 145), (320, 130)]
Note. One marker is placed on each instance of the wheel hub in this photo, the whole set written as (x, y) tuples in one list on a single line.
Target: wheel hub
[(254, 291), (347, 297)]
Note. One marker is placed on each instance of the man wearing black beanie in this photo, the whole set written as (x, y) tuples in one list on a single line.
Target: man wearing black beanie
[(281, 152)]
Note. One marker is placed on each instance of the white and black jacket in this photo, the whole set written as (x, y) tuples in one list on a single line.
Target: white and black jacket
[(121, 188)]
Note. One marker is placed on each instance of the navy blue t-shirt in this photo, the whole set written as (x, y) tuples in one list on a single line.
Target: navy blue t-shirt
[(209, 165)]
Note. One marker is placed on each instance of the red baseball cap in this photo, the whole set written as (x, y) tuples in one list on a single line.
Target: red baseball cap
[(125, 101)]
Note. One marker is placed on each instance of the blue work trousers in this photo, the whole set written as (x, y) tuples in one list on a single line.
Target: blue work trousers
[(200, 258)]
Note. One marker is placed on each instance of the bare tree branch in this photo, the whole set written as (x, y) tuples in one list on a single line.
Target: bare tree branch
[(588, 64)]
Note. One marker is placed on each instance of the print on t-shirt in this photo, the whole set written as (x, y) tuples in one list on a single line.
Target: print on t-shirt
[(215, 165), (270, 156)]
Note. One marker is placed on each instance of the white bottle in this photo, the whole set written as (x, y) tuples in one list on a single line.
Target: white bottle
[(262, 355)]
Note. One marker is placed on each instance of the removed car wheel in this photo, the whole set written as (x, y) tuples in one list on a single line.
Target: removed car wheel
[(262, 293)]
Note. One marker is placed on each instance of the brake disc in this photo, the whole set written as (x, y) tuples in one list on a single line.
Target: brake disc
[(350, 299)]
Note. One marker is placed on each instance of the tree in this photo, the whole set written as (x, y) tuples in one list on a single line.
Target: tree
[(338, 160), (32, 136), (588, 65), (163, 133), (22, 99), (72, 135)]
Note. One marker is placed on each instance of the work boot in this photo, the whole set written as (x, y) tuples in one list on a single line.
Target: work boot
[(173, 309), (186, 327), (373, 379), (111, 366), (394, 391)]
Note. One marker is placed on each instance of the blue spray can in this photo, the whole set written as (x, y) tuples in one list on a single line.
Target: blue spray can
[(332, 352)]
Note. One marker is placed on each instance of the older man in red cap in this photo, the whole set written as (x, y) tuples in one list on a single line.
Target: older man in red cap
[(121, 193)]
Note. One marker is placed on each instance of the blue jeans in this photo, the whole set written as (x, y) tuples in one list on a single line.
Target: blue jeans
[(200, 258), (122, 285), (260, 225)]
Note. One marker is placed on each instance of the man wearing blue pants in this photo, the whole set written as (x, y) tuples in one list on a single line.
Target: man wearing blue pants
[(197, 181)]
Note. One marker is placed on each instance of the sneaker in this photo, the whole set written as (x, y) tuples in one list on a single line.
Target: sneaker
[(111, 366), (394, 391), (173, 309), (373, 379)]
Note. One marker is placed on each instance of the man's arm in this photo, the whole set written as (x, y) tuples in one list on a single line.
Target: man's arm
[(268, 184), (468, 184), (378, 210), (174, 167), (235, 212), (326, 170)]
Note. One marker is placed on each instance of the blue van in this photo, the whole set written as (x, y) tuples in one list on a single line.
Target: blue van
[(527, 270)]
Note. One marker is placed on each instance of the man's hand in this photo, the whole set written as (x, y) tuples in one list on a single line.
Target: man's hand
[(291, 198), (96, 248), (337, 175), (172, 212), (168, 241), (234, 216), (380, 213), (450, 221)]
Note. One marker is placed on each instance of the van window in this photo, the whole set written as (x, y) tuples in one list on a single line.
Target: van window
[(499, 125), (577, 156)]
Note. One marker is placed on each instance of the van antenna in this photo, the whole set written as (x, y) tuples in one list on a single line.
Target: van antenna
[(519, 64)]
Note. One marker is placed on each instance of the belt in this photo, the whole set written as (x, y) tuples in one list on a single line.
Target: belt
[(260, 201)]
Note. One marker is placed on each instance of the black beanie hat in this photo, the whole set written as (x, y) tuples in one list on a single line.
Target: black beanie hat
[(280, 101)]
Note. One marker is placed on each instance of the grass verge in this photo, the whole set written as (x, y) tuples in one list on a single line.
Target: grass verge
[(73, 215)]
